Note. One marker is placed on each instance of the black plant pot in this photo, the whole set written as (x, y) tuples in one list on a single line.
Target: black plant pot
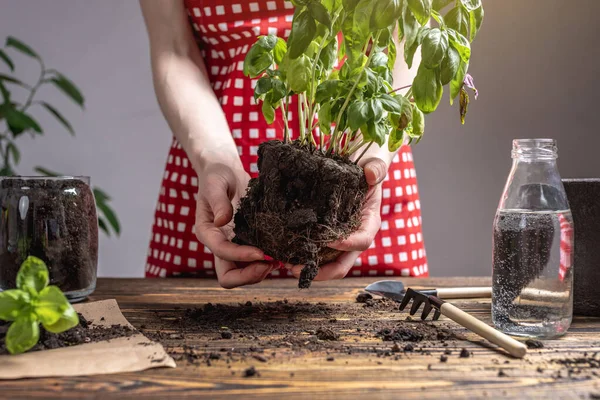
[(584, 200)]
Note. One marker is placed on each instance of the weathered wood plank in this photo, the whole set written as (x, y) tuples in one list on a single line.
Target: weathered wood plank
[(362, 374)]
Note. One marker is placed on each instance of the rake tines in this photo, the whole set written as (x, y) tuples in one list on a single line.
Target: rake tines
[(419, 298)]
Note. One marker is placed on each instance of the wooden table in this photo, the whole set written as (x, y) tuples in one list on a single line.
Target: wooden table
[(309, 374)]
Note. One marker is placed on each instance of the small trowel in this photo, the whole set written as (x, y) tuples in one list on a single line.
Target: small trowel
[(395, 290)]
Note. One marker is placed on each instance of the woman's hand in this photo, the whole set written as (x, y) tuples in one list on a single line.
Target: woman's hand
[(375, 172), (220, 189)]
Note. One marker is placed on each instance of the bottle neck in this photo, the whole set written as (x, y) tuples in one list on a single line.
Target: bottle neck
[(534, 183)]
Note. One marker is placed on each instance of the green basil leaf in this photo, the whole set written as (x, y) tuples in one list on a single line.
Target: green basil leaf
[(475, 21), (20, 46), (390, 103), (279, 50), (392, 53), (374, 132), (257, 61), (22, 335), (464, 104), (329, 54), (59, 117), (418, 122), (362, 19), (375, 110), (327, 90), (68, 88), (12, 149), (278, 92), (379, 60), (331, 5), (434, 47), (396, 140), (299, 74), (450, 65), (33, 274), (267, 42), (268, 112), (421, 10), (439, 5), (319, 12), (457, 82), (263, 86), (461, 44), (471, 5), (427, 89), (325, 118), (50, 305), (13, 303), (69, 319), (411, 35), (7, 60), (349, 5), (358, 114), (385, 13), (458, 19), (303, 32)]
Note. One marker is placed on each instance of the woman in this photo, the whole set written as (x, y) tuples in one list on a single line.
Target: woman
[(207, 103)]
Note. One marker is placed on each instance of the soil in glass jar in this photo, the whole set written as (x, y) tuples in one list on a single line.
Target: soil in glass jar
[(55, 220)]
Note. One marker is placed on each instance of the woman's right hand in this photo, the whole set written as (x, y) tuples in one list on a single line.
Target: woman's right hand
[(220, 189)]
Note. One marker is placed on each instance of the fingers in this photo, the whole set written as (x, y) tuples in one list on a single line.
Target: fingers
[(334, 270), (217, 195), (375, 170), (230, 276), (214, 238)]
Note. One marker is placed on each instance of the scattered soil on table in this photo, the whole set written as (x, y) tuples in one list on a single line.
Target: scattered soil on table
[(301, 201), (363, 297), (464, 353), (249, 372), (85, 332), (57, 224), (294, 328)]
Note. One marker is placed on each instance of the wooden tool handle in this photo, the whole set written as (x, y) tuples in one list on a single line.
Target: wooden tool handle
[(512, 346), (464, 293)]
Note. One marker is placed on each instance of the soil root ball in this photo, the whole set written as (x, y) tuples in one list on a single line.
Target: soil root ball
[(301, 200)]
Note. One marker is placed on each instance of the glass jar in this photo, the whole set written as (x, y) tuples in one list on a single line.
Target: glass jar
[(532, 289), (55, 220)]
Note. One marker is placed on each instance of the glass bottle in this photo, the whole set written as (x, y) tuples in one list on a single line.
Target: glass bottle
[(532, 289)]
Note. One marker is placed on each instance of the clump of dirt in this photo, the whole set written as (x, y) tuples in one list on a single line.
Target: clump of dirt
[(415, 333), (327, 334), (363, 297), (464, 353), (249, 372), (534, 344), (85, 332), (301, 201), (54, 220)]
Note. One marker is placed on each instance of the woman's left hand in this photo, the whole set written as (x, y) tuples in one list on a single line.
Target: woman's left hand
[(375, 172)]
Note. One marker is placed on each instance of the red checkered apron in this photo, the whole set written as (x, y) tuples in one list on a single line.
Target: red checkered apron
[(227, 29)]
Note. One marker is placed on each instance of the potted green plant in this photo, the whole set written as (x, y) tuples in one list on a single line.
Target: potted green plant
[(53, 217), (310, 191)]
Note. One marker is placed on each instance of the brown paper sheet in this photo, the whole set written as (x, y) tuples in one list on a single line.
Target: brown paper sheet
[(126, 354)]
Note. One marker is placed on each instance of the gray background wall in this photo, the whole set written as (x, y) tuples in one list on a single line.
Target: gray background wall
[(535, 64)]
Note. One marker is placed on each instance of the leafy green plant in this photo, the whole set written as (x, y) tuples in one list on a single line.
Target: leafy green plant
[(356, 105), (34, 303), (17, 120)]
